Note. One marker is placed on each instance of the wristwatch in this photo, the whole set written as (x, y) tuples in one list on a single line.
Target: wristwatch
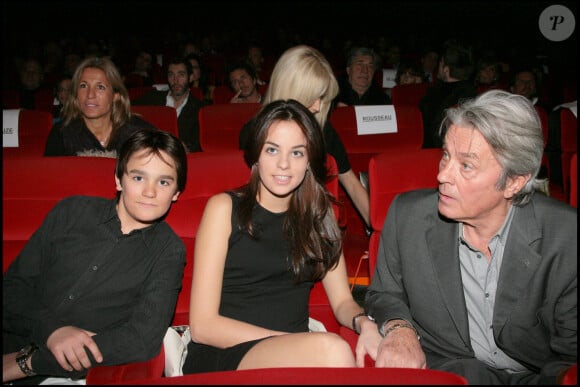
[(22, 358)]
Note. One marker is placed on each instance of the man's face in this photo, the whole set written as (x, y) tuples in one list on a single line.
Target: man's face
[(468, 177), (361, 72), (242, 82), (178, 79), (525, 84)]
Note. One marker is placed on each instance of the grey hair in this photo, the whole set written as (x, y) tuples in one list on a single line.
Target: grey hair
[(511, 126), (358, 51)]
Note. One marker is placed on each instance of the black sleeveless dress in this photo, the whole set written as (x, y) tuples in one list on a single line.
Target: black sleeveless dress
[(258, 288)]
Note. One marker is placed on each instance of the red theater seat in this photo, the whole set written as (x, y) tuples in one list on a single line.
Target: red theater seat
[(33, 129), (220, 125), (574, 180), (310, 376), (409, 94), (392, 173), (32, 186), (568, 138), (162, 117)]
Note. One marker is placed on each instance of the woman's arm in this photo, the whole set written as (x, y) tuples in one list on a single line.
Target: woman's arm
[(346, 309), (357, 193)]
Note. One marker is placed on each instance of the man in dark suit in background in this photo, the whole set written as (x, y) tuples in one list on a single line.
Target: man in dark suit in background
[(453, 84), (179, 74)]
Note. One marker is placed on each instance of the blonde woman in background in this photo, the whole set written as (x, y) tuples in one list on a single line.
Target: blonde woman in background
[(302, 73)]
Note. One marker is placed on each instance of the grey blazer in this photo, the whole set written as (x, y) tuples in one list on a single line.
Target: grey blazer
[(418, 278)]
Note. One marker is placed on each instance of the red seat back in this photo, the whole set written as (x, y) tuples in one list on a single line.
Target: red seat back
[(43, 99), (33, 129), (196, 92), (220, 125), (568, 143), (571, 376), (307, 376), (32, 186), (162, 117), (409, 94), (138, 91), (409, 133), (574, 180), (222, 94), (392, 173)]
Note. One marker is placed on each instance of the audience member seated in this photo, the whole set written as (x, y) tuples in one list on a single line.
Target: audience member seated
[(190, 47), (70, 63), (392, 56), (429, 62), (243, 81), (358, 86), (98, 281), (255, 58), (454, 84), (31, 84), (488, 74), (409, 72), (142, 73), (179, 75), (96, 119), (199, 78), (525, 82), (62, 93)]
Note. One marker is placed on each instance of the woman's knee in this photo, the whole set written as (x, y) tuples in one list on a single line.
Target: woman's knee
[(335, 351)]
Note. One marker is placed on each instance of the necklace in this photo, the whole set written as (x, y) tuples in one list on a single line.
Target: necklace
[(104, 142)]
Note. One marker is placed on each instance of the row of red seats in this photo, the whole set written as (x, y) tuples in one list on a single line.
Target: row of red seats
[(220, 125), (31, 189)]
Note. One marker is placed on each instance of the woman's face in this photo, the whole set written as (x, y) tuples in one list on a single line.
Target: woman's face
[(196, 70), (408, 77), (95, 94), (63, 90), (282, 164)]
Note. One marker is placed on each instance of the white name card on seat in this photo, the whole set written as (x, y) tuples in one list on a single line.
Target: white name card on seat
[(161, 86), (389, 78), (10, 122), (376, 119)]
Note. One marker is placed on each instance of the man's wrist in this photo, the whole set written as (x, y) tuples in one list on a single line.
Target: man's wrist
[(23, 357), (384, 330)]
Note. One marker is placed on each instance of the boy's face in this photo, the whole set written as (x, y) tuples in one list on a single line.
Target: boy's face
[(148, 188)]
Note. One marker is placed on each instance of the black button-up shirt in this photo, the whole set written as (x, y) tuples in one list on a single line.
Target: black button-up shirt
[(79, 269)]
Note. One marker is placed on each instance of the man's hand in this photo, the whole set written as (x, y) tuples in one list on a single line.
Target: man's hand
[(236, 98), (400, 349), (67, 344)]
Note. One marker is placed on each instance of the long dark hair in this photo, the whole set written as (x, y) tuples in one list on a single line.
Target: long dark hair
[(310, 226)]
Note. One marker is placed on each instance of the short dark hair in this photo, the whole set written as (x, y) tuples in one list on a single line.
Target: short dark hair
[(458, 56), (241, 65), (181, 60), (155, 141)]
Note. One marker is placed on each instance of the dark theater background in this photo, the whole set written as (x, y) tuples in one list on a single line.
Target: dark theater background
[(508, 26)]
